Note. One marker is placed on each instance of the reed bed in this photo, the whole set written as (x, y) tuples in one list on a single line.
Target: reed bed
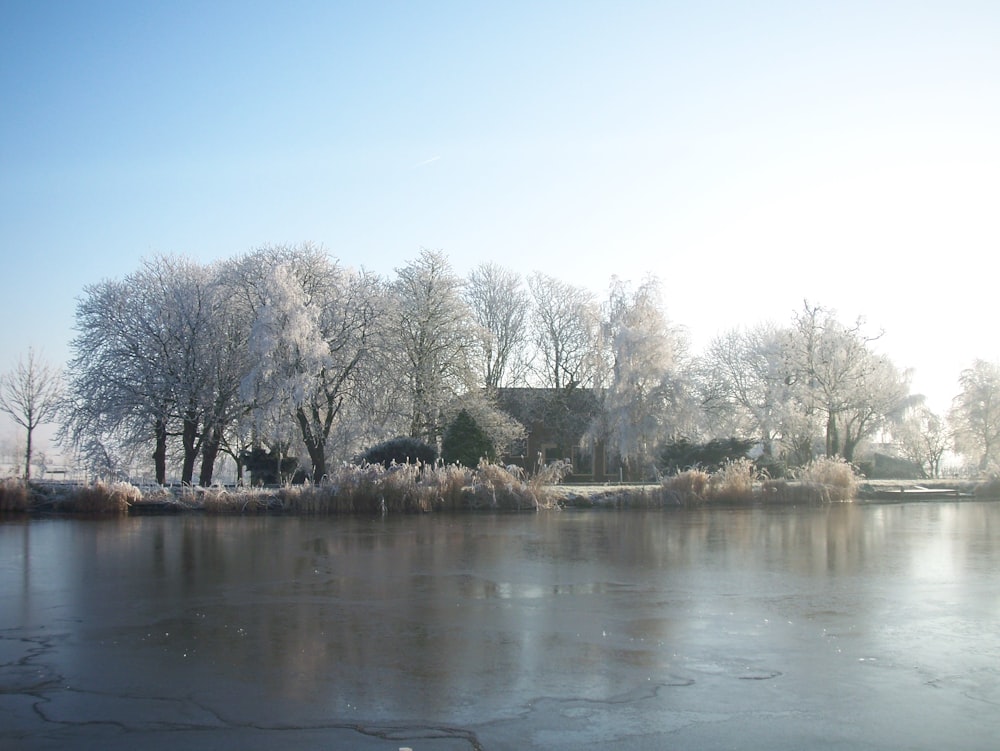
[(99, 498), (14, 495), (420, 488), (506, 488), (737, 481), (740, 482), (687, 488), (399, 488), (823, 480), (988, 487)]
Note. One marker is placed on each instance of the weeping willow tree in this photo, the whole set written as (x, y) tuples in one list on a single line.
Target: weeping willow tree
[(644, 396)]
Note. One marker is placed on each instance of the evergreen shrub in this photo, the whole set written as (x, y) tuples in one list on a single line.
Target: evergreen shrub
[(680, 455), (465, 442), (400, 450)]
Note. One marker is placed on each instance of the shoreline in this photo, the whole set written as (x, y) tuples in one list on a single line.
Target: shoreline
[(52, 499)]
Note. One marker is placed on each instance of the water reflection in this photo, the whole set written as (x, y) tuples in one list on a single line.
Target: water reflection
[(473, 618)]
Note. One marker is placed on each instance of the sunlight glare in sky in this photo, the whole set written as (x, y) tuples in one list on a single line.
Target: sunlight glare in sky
[(750, 155)]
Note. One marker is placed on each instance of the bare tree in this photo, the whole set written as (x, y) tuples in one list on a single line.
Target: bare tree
[(31, 394), (141, 369), (309, 338), (428, 328), (225, 363), (499, 306), (566, 320), (836, 375), (975, 414), (116, 392), (743, 384), (645, 354), (922, 438)]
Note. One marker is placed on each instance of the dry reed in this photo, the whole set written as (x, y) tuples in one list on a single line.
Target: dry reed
[(824, 480), (14, 495), (988, 487), (100, 498), (735, 482), (687, 488), (839, 478)]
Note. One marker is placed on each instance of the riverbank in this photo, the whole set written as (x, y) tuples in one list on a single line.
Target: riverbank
[(623, 495), (415, 494)]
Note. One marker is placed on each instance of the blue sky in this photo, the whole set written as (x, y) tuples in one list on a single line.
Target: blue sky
[(750, 154)]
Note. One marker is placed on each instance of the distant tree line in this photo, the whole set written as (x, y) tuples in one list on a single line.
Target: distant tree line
[(283, 352)]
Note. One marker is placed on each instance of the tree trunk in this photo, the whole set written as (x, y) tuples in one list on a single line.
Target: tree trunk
[(317, 455), (160, 453), (189, 436), (849, 446), (27, 459), (209, 452), (832, 434), (416, 419), (315, 445)]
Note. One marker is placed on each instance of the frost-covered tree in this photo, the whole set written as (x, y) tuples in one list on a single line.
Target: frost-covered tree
[(881, 398), (138, 367), (287, 351), (31, 393), (310, 333), (922, 438), (644, 352), (499, 306), (743, 385), (114, 387), (499, 426), (975, 414), (836, 376), (185, 346), (428, 334), (566, 323), (226, 363)]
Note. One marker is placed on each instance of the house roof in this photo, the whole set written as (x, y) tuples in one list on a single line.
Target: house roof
[(567, 412)]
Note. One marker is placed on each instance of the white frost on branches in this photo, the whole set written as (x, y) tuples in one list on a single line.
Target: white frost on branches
[(286, 344)]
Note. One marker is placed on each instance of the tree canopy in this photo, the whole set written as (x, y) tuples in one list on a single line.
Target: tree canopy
[(283, 350)]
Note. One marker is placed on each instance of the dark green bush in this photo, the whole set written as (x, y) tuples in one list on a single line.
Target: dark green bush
[(263, 467), (682, 454), (465, 443), (401, 450), (772, 466)]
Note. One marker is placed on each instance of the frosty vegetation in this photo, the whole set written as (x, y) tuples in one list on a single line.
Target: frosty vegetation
[(286, 351)]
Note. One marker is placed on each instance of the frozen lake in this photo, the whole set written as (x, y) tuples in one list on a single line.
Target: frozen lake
[(841, 627)]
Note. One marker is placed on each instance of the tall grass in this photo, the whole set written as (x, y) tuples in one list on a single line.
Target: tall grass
[(988, 487), (14, 495), (406, 488), (351, 489), (419, 488), (687, 488), (736, 482), (824, 480), (100, 498), (506, 488)]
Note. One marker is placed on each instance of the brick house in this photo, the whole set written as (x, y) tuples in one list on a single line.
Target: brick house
[(557, 426)]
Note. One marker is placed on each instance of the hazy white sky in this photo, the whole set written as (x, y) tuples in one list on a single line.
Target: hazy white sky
[(750, 154)]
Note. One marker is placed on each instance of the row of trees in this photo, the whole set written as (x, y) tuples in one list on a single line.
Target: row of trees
[(284, 348)]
